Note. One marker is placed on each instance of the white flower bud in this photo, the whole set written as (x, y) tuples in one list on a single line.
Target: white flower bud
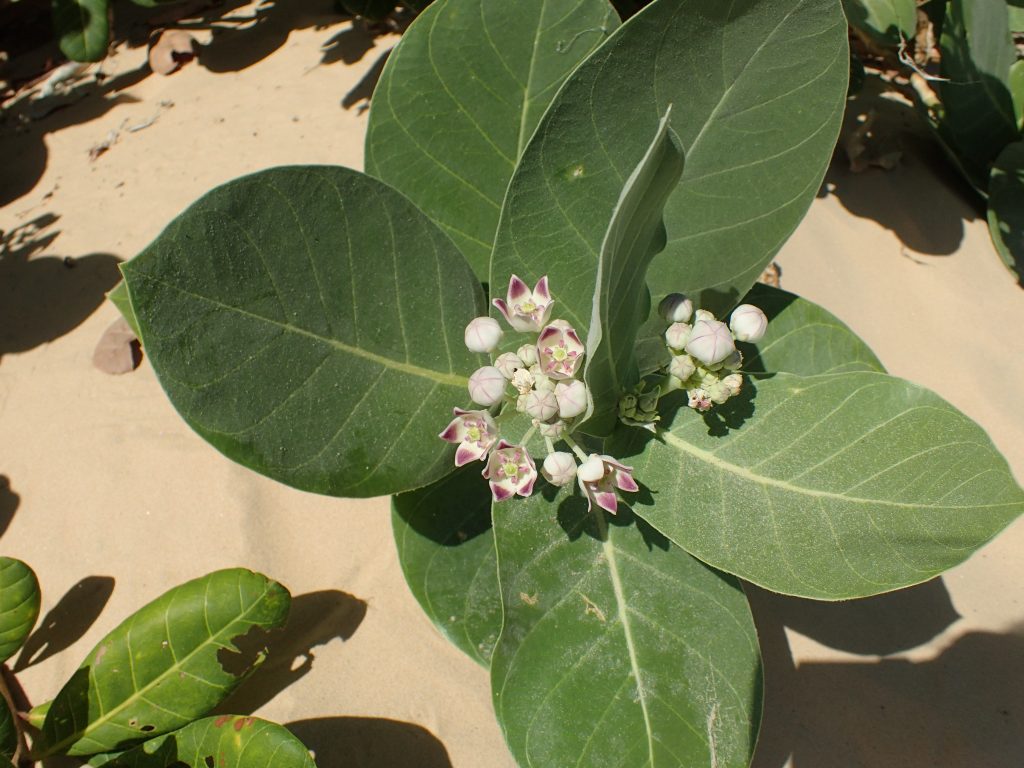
[(572, 398), (733, 361), (553, 429), (559, 468), (487, 386), (734, 382), (748, 323), (719, 393), (540, 381), (522, 380), (676, 308), (528, 354), (508, 363), (542, 405), (703, 314), (482, 334), (591, 470), (677, 335), (682, 367), (710, 342)]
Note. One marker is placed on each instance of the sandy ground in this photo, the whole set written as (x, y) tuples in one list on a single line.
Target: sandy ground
[(113, 499)]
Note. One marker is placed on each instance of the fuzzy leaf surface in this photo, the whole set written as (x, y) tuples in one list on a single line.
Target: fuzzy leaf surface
[(884, 21), (830, 487), (82, 27), (619, 649), (19, 605), (225, 741), (803, 338), (462, 94), (759, 87), (1006, 207), (636, 233), (446, 549), (166, 665), (308, 322)]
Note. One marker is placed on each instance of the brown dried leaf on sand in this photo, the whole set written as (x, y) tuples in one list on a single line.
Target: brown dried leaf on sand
[(171, 49), (118, 350)]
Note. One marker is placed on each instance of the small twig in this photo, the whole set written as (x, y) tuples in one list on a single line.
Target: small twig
[(6, 678)]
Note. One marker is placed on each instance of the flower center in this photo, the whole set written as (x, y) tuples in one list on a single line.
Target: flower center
[(510, 468), (473, 433), (527, 307)]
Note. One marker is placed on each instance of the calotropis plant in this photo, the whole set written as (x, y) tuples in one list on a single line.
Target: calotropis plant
[(318, 325)]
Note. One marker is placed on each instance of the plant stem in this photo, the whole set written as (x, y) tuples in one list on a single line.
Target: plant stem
[(575, 448), (6, 680), (528, 435)]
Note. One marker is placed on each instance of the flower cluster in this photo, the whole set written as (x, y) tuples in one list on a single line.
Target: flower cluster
[(705, 361), (539, 379)]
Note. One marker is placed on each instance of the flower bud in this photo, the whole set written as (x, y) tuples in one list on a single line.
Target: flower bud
[(703, 314), (487, 385), (542, 405), (508, 363), (591, 470), (677, 335), (572, 398), (748, 323), (734, 382), (719, 393), (710, 342), (528, 354), (682, 367), (523, 381), (733, 361), (559, 468), (482, 334), (676, 308), (540, 381), (699, 400), (552, 429)]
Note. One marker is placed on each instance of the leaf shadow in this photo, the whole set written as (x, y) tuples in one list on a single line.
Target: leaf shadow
[(315, 619), (362, 91), (370, 742), (9, 501), (449, 525), (66, 623)]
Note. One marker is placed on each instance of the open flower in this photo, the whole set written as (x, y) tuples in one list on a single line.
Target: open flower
[(598, 478), (474, 431), (561, 350), (510, 470), (524, 309)]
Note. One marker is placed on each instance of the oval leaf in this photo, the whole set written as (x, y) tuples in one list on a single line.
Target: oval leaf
[(462, 94), (618, 649), (1006, 207), (446, 548), (226, 741), (166, 665), (82, 27), (758, 88), (308, 322), (828, 487), (803, 338), (19, 605)]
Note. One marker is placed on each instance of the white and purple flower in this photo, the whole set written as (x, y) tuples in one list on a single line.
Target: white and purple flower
[(599, 477), (526, 310), (561, 350), (510, 470), (474, 431)]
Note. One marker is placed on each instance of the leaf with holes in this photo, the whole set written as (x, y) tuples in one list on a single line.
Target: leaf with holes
[(619, 649), (225, 741), (759, 88), (446, 548), (830, 487), (461, 95), (19, 605), (166, 665), (308, 322), (82, 27), (635, 234)]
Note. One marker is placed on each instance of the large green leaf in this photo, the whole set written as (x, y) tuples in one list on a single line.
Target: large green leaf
[(19, 605), (118, 296), (166, 665), (830, 487), (618, 649), (446, 548), (635, 234), (887, 22), (82, 27), (460, 96), (803, 338), (978, 117), (759, 88), (308, 322), (1006, 207), (8, 733), (226, 741)]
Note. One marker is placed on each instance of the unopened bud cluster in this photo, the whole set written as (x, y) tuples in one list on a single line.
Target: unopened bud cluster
[(540, 380)]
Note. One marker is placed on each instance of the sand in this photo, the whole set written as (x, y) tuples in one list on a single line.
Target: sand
[(108, 489)]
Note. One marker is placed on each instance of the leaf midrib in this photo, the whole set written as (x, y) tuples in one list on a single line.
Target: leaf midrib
[(440, 377)]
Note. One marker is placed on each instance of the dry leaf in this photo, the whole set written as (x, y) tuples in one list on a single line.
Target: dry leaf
[(172, 48), (118, 350)]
